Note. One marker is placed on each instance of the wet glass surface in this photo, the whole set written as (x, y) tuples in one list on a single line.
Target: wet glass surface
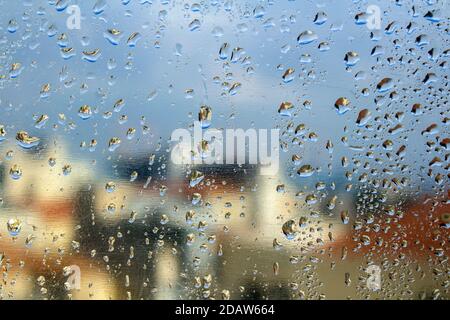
[(94, 206)]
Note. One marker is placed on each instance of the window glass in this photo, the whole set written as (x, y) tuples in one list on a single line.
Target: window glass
[(267, 149)]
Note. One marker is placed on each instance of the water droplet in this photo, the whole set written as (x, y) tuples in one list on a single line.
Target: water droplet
[(385, 85), (305, 171), (113, 144), (342, 105), (15, 70), (196, 178), (15, 172), (345, 217), (85, 112), (110, 186), (363, 117), (133, 39), (306, 37), (13, 26), (67, 53), (320, 18), (194, 25), (14, 226), (205, 116), (288, 75), (351, 58), (41, 121), (113, 36), (26, 141), (67, 169), (99, 6), (285, 108), (91, 56), (290, 229)]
